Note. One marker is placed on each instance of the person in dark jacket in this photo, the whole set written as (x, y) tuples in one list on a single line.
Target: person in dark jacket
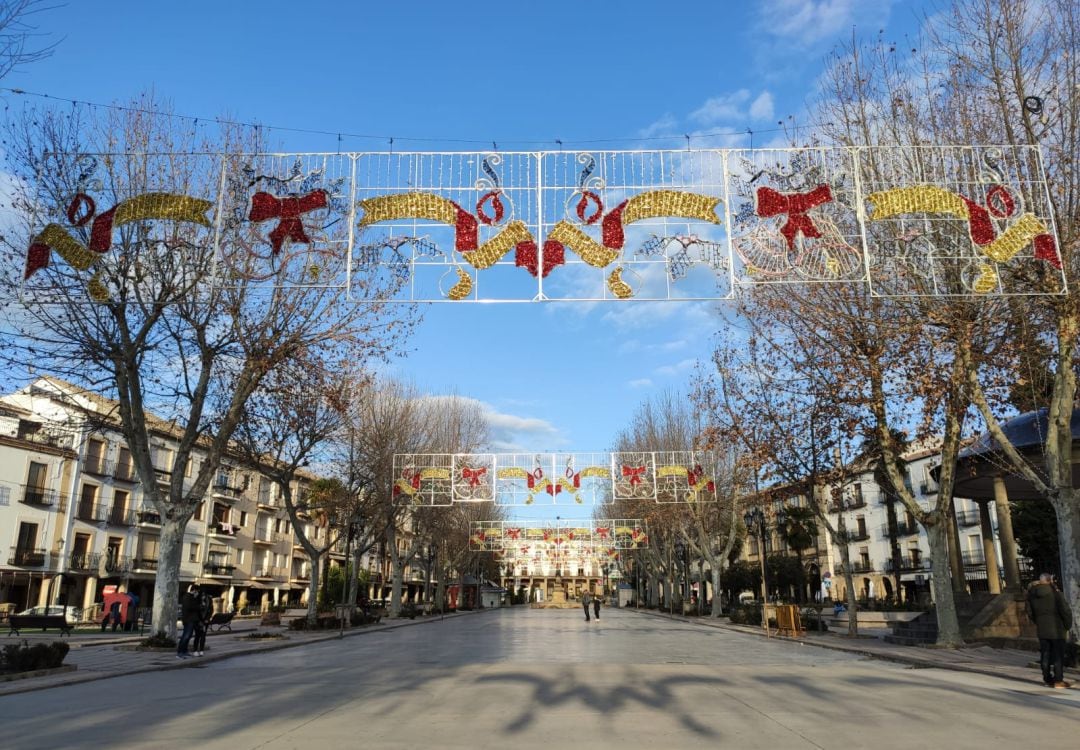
[(206, 611), (596, 607), (1050, 612), (585, 601), (189, 616)]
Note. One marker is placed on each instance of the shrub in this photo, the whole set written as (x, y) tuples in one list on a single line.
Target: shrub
[(408, 609), (26, 658)]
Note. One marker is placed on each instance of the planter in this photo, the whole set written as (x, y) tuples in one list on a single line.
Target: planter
[(12, 676)]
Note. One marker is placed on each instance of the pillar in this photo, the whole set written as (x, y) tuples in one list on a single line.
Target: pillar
[(43, 592), (1009, 555), (993, 574), (956, 561)]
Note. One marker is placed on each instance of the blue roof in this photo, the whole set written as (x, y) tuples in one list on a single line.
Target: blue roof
[(1025, 431)]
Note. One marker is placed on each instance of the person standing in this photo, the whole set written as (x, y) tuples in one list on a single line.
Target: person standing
[(1050, 612), (206, 611), (585, 601), (596, 607), (189, 615)]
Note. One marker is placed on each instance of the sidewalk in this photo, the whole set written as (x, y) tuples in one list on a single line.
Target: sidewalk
[(99, 658), (1010, 664)]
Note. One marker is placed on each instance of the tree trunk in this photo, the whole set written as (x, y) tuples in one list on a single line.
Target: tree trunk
[(313, 591), (398, 579), (440, 591), (652, 587), (167, 578), (849, 583), (717, 599), (1067, 508), (941, 581)]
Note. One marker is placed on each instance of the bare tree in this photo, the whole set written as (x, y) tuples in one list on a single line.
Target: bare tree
[(157, 332), (21, 42)]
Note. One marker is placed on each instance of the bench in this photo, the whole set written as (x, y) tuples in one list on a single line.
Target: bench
[(17, 622), (221, 621)]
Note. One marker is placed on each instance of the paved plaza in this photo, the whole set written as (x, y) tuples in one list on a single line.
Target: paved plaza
[(545, 679)]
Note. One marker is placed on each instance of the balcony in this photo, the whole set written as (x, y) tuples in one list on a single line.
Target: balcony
[(163, 476), (227, 488), (973, 558), (116, 565), (853, 503), (967, 518), (98, 466), (859, 566), (91, 512), (43, 498), (903, 529), (26, 557), (84, 562), (266, 501), (265, 536), (121, 517), (218, 567), (269, 573), (125, 472), (908, 564), (223, 528), (300, 574), (148, 518), (856, 535), (928, 488), (146, 563)]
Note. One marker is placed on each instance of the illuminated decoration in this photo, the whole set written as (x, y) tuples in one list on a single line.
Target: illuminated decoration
[(288, 210), (572, 537), (144, 207), (617, 226), (525, 479)]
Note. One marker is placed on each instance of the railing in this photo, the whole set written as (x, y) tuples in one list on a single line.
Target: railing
[(968, 518), (856, 567), (909, 563), (850, 504), (42, 498), (117, 565), (27, 557), (151, 517), (146, 563), (300, 575), (85, 561), (221, 528), (98, 466), (263, 536), (903, 528), (266, 500), (163, 476), (121, 517), (47, 437), (227, 488), (856, 535), (125, 472), (269, 573), (973, 558), (91, 512), (218, 568)]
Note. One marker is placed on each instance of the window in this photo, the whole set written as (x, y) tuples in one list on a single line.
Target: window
[(28, 534), (87, 510), (5, 496), (193, 552), (148, 548), (861, 521), (123, 463), (240, 557), (864, 556), (199, 511), (95, 455), (163, 459), (35, 476), (81, 546), (243, 518)]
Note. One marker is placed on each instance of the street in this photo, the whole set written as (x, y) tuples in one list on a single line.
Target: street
[(546, 679)]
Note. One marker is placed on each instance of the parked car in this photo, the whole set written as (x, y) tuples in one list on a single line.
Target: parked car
[(71, 614)]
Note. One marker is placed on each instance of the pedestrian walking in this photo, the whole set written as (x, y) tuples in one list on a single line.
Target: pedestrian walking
[(596, 606), (206, 611), (1050, 612), (189, 615), (585, 601)]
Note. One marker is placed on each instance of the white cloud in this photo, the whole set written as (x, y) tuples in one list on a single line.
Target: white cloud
[(678, 368), (723, 108), (805, 22), (513, 432), (640, 383), (664, 126), (762, 107)]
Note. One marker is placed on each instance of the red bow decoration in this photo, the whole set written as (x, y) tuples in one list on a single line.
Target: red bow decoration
[(795, 205), (472, 476), (634, 472), (602, 532), (553, 489), (693, 475), (513, 534), (528, 256), (265, 206)]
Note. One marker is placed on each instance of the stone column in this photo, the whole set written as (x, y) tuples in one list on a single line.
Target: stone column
[(43, 592), (993, 575), (1005, 534), (956, 562)]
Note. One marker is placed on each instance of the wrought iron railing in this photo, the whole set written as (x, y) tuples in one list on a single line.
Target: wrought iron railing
[(27, 557), (42, 498), (84, 561)]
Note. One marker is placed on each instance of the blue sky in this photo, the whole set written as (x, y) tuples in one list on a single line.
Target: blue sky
[(461, 76)]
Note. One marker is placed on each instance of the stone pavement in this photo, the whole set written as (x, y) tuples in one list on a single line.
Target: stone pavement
[(546, 679), (1010, 664), (98, 656)]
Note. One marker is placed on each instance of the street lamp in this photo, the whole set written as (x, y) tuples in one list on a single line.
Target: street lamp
[(755, 521)]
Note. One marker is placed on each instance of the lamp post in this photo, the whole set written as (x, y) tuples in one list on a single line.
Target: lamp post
[(755, 520)]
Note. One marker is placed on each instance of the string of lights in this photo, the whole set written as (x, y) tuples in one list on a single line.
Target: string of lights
[(392, 139)]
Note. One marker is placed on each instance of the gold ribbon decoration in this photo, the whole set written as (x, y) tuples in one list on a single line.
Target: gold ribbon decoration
[(489, 253), (588, 249), (618, 287), (1015, 238), (462, 288), (55, 238), (917, 199), (408, 206), (657, 203)]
